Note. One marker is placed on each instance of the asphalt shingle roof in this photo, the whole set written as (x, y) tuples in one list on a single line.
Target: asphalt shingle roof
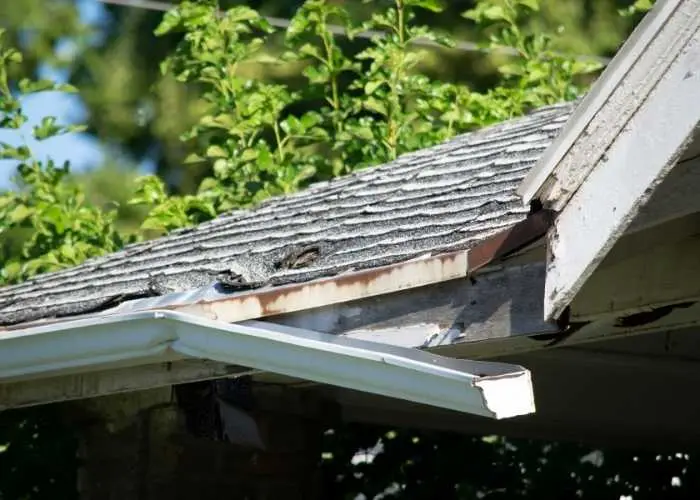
[(442, 198)]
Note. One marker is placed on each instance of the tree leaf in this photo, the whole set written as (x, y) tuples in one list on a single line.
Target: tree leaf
[(19, 214), (530, 4), (67, 87), (215, 151), (171, 21), (372, 86), (46, 129), (431, 5), (27, 86)]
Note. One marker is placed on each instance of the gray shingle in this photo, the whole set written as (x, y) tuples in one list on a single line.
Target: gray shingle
[(442, 198)]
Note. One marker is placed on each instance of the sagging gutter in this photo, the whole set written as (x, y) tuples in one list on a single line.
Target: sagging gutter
[(494, 390), (270, 301)]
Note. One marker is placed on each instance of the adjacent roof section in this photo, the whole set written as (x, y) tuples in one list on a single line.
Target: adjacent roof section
[(625, 137), (444, 198), (634, 72)]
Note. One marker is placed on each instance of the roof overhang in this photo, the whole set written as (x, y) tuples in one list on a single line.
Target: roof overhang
[(620, 144), (495, 390)]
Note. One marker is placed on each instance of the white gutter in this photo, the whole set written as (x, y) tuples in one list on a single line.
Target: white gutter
[(495, 390)]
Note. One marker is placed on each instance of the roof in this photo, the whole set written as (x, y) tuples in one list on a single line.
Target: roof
[(626, 136), (436, 200)]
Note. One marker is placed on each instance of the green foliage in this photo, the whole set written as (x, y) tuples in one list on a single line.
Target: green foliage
[(537, 75), (60, 228), (638, 7), (372, 105), (169, 212), (64, 229), (254, 148)]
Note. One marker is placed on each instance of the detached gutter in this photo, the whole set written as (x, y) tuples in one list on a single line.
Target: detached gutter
[(494, 390)]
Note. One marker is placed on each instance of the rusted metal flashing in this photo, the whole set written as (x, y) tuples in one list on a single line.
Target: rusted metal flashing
[(326, 291), (419, 272), (392, 278)]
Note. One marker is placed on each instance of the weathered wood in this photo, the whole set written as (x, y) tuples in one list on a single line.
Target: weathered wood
[(113, 381), (645, 271), (501, 303), (633, 162)]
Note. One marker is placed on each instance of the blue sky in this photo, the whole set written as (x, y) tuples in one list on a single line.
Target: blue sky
[(81, 149)]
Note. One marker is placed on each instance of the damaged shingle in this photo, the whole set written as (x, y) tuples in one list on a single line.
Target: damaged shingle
[(447, 197), (299, 258)]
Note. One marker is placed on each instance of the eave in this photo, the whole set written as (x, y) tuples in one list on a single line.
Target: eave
[(212, 303)]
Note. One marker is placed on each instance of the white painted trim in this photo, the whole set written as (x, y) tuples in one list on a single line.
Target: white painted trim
[(495, 390), (635, 164), (604, 111)]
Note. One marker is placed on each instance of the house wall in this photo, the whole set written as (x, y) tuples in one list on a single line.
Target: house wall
[(147, 445)]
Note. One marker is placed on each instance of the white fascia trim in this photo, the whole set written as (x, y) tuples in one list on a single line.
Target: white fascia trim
[(639, 63), (636, 163), (495, 390)]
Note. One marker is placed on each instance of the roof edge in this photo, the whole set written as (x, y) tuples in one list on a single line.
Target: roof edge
[(283, 299)]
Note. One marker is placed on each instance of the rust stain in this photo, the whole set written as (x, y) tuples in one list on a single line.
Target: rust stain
[(333, 290), (378, 281)]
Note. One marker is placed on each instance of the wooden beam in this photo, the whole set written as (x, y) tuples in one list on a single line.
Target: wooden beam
[(500, 312), (499, 303)]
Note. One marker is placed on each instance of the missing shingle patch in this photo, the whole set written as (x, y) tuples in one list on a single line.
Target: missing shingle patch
[(299, 258), (244, 273), (232, 280)]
